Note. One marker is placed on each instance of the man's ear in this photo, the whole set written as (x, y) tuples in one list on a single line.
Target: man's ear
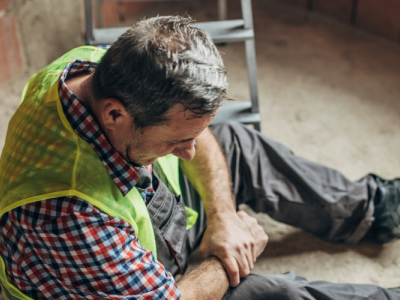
[(114, 114)]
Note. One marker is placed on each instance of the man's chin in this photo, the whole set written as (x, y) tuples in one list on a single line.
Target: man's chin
[(145, 162), (151, 161)]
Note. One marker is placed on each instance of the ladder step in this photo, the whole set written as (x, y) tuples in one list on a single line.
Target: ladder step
[(226, 31), (220, 31), (237, 111), (106, 36)]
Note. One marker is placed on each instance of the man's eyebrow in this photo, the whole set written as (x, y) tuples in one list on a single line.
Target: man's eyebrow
[(180, 141)]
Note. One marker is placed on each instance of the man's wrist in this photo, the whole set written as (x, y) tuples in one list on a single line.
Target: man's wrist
[(214, 260), (220, 215), (208, 281)]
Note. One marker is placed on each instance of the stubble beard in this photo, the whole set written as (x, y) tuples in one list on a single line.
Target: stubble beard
[(139, 158)]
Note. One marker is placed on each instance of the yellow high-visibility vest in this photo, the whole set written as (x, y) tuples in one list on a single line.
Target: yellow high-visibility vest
[(44, 158)]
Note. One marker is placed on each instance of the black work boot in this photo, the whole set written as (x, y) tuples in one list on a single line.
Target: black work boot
[(386, 226)]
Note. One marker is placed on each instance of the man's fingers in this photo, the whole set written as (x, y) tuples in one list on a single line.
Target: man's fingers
[(261, 239), (250, 257), (250, 261), (253, 252), (243, 262), (250, 223), (232, 269), (263, 243)]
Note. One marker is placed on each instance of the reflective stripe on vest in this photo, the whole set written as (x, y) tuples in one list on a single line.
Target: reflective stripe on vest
[(7, 294)]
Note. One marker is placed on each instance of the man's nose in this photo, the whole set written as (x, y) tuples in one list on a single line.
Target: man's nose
[(185, 151)]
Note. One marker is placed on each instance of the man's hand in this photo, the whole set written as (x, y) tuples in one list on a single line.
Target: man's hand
[(260, 237), (237, 240), (228, 238)]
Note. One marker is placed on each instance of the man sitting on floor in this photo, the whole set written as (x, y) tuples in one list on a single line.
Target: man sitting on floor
[(110, 177)]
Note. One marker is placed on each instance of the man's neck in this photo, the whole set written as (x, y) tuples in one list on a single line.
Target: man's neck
[(80, 85)]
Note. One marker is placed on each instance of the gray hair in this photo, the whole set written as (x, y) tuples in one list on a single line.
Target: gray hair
[(160, 62)]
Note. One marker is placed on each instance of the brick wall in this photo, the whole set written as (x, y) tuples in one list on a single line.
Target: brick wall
[(381, 17), (33, 33), (11, 60), (114, 13)]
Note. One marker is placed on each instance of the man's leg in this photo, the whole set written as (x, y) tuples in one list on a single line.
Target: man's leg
[(261, 171), (270, 178), (292, 286)]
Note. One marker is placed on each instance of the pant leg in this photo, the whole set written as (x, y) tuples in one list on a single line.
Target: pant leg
[(292, 286), (269, 178), (262, 170)]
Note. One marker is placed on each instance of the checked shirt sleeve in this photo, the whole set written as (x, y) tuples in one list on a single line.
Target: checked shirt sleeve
[(75, 251)]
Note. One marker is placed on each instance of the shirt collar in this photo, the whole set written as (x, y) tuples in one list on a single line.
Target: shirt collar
[(124, 175)]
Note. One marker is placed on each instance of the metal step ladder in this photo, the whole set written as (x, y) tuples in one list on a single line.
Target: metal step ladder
[(224, 31)]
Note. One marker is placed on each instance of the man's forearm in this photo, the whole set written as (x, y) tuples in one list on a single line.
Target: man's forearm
[(226, 236), (209, 175), (207, 281)]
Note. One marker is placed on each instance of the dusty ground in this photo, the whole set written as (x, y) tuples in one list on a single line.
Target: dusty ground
[(332, 94)]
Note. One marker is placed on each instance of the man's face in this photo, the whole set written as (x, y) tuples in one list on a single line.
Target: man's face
[(176, 136)]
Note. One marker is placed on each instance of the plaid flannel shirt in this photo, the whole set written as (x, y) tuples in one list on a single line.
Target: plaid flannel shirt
[(66, 248)]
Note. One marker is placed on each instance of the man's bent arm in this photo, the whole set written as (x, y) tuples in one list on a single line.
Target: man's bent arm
[(226, 236), (207, 281), (209, 175)]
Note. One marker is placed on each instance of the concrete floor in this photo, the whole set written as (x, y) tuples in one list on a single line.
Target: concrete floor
[(331, 93)]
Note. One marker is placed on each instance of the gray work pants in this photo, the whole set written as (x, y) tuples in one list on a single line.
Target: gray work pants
[(269, 178)]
